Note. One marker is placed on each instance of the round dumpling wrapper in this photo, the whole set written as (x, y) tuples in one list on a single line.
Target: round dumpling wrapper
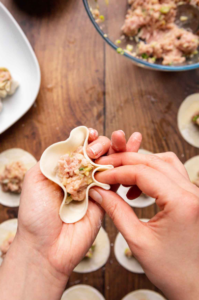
[(143, 295), (189, 131), (82, 292), (192, 167), (129, 263), (100, 255), (143, 200), (7, 157)]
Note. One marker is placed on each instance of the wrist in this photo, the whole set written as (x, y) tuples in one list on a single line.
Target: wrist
[(31, 273), (183, 290)]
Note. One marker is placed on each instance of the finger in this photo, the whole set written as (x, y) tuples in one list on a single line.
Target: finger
[(150, 181), (172, 159), (98, 147), (134, 142), (118, 142), (93, 135), (133, 193), (121, 213), (153, 161)]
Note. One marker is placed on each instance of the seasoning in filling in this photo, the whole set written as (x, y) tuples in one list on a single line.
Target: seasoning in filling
[(195, 119), (90, 252), (128, 253), (11, 179), (7, 84), (152, 23), (75, 173), (6, 245)]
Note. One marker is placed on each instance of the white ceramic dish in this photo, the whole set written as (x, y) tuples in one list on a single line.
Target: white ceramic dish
[(142, 200), (82, 292), (129, 263), (17, 56), (143, 295)]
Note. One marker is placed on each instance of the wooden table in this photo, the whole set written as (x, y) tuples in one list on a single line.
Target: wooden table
[(82, 84)]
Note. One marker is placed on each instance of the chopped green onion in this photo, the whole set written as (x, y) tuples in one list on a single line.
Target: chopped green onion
[(145, 56), (81, 169), (164, 9), (118, 42), (120, 51)]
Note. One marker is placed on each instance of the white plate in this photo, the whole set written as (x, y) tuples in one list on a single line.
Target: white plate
[(143, 295), (17, 56)]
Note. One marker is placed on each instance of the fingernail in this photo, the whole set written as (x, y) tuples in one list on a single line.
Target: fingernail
[(96, 149), (122, 131), (95, 196), (137, 136)]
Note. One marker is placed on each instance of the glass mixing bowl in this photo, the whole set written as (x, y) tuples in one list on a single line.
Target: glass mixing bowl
[(113, 16)]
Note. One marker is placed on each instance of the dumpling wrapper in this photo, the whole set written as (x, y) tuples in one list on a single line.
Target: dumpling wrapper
[(7, 228), (100, 254), (143, 295), (75, 210), (188, 130), (192, 167), (129, 263), (7, 157), (142, 200), (82, 292)]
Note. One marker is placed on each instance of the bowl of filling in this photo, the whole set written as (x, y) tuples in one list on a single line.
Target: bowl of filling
[(156, 34)]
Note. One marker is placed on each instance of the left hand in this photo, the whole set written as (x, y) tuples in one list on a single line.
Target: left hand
[(62, 245)]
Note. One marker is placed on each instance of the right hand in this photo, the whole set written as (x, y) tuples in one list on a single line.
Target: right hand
[(168, 245)]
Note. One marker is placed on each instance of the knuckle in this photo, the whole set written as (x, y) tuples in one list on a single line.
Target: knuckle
[(171, 156), (191, 205), (153, 159), (112, 210)]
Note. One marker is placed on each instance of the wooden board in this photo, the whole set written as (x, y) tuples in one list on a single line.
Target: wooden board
[(82, 84)]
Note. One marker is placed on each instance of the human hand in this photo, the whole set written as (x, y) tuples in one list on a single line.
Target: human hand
[(168, 245), (42, 240)]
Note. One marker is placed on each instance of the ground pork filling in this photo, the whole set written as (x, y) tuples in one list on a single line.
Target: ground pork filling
[(6, 245), (75, 173), (11, 179), (153, 22)]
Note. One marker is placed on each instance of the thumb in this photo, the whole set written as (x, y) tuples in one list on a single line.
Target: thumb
[(122, 215)]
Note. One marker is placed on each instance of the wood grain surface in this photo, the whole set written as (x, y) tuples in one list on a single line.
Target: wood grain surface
[(82, 84)]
